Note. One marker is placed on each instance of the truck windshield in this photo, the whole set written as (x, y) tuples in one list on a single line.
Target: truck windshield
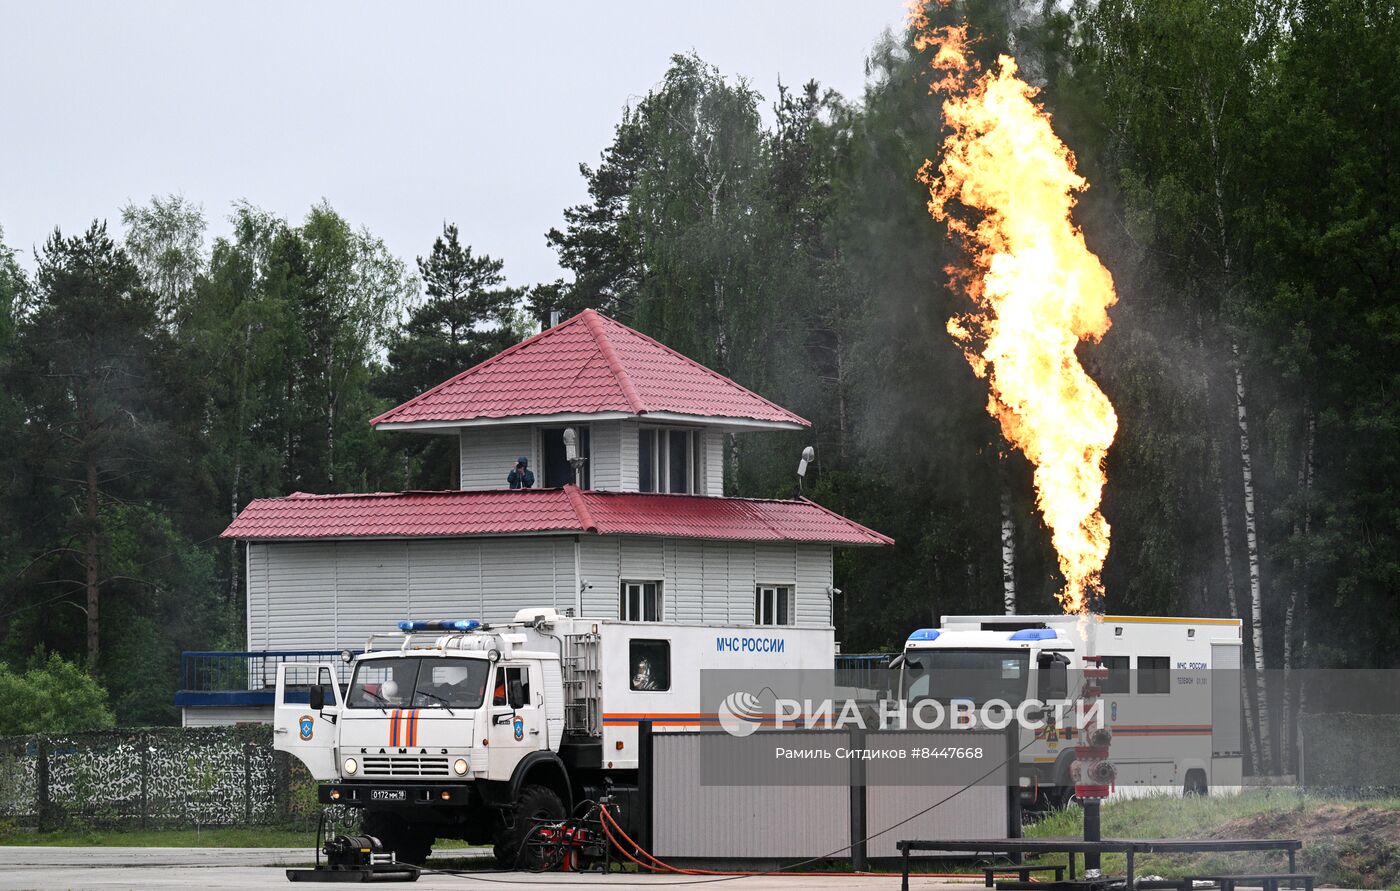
[(978, 675), (419, 682)]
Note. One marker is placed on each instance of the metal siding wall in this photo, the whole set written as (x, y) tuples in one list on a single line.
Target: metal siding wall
[(301, 596), (775, 563), (225, 716), (980, 812), (517, 573), (688, 587), (599, 561), (813, 579), (742, 582), (713, 461), (605, 459), (488, 454), (371, 589), (694, 820), (444, 579), (714, 571), (257, 595), (642, 558), (627, 433)]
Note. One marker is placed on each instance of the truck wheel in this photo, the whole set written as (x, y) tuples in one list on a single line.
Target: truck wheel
[(410, 844), (534, 804), (1196, 783)]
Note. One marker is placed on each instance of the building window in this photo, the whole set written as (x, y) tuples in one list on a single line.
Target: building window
[(1117, 680), (772, 605), (667, 460), (649, 662), (556, 467), (641, 602), (1154, 674)]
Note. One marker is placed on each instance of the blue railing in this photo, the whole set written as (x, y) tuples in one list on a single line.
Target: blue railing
[(249, 677), (243, 678), (868, 671)]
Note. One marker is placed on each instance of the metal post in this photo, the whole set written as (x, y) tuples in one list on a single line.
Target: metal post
[(1092, 833), (144, 741), (645, 785), (858, 817), (248, 784), (43, 805)]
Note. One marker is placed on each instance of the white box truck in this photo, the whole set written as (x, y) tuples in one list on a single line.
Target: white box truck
[(472, 732), (1171, 697)]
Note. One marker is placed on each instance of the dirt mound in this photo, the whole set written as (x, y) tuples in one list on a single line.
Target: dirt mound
[(1343, 844)]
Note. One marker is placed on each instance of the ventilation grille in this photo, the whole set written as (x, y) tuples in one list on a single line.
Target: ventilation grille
[(404, 766)]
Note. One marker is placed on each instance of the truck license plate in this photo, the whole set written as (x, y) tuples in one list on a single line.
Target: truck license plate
[(388, 795)]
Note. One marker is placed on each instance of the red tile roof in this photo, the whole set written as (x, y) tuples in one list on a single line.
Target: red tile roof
[(507, 512), (589, 364)]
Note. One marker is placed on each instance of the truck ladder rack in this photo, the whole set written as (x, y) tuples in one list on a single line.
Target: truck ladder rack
[(582, 683)]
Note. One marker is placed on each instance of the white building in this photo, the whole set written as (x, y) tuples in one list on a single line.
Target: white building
[(640, 530)]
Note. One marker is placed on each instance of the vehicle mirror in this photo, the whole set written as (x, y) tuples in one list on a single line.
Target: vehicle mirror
[(318, 698), (897, 661), (516, 694)]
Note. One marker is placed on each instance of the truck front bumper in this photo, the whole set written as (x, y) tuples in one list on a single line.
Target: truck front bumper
[(361, 794)]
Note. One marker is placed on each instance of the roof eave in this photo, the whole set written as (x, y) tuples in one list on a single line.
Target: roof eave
[(656, 417)]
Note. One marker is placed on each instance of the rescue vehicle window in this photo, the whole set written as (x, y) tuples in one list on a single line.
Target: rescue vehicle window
[(773, 605), (1053, 683), (641, 602), (504, 678), (649, 662), (1154, 674), (1119, 677)]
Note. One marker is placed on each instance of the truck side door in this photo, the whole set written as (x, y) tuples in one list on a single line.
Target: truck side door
[(298, 728), (516, 730)]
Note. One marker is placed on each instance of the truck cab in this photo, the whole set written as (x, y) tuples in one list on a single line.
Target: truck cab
[(453, 734), (1171, 698)]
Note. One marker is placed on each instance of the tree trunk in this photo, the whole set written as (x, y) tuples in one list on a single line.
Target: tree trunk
[(1251, 735), (90, 557), (235, 577), (1287, 721), (1251, 538), (1008, 545)]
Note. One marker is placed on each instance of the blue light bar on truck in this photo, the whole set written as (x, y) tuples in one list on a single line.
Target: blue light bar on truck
[(925, 634), (1034, 634), (439, 625)]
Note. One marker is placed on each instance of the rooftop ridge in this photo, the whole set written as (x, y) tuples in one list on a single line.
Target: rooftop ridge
[(510, 350), (593, 321)]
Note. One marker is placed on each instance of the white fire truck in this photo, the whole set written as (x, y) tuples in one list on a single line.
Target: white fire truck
[(1171, 698), (470, 731)]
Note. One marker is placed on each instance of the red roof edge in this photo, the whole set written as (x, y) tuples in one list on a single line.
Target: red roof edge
[(595, 327), (585, 518), (374, 422), (884, 539)]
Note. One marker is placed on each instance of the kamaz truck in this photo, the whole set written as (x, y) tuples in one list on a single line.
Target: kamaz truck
[(1171, 699), (475, 732)]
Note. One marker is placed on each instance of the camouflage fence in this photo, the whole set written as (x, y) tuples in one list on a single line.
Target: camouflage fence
[(157, 778)]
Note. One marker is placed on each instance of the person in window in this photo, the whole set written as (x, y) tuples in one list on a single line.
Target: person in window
[(521, 477), (642, 677)]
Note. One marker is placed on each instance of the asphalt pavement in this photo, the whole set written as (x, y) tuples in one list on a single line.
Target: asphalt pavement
[(237, 869)]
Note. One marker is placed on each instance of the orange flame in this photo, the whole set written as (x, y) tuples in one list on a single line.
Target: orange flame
[(1005, 188)]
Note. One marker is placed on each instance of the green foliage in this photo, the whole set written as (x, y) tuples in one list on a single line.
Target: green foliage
[(1241, 195), (53, 696)]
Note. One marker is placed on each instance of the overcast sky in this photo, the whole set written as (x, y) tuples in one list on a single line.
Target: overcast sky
[(402, 115)]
